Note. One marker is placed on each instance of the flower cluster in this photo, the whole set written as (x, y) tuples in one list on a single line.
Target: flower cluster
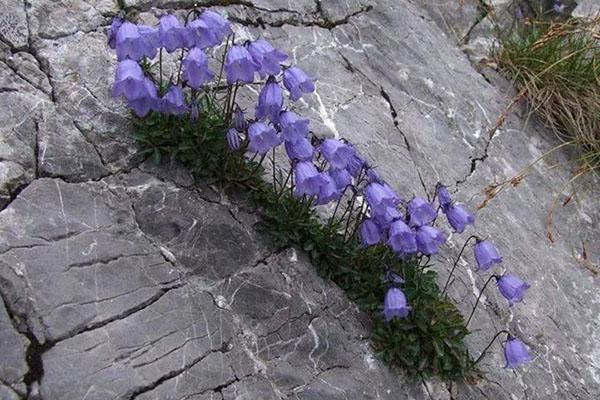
[(323, 171)]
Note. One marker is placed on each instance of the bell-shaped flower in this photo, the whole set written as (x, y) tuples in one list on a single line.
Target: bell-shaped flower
[(239, 120), (402, 239), (336, 152), (233, 139), (301, 150), (135, 42), (270, 101), (195, 68), (328, 191), (355, 163), (515, 353), (262, 138), (308, 179), (381, 195), (173, 102), (297, 82), (370, 232), (293, 128), (512, 288), (268, 57), (209, 29), (429, 239), (420, 211), (395, 304), (386, 215), (486, 255), (443, 197), (342, 178), (459, 217), (129, 81), (373, 176), (172, 35), (239, 65), (112, 32), (141, 106)]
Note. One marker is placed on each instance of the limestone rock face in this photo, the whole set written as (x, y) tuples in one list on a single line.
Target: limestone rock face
[(121, 279)]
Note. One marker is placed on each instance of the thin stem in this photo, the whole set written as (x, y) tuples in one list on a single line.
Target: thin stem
[(489, 345), (456, 262), (222, 65), (287, 179), (273, 168), (160, 71), (479, 297)]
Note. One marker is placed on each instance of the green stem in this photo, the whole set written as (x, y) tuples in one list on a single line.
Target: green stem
[(456, 262), (479, 297)]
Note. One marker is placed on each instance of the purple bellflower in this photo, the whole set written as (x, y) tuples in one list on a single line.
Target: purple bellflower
[(301, 150), (233, 139), (402, 239), (459, 217), (395, 305), (268, 57), (420, 211), (209, 29), (270, 101), (486, 255), (172, 35), (328, 191), (294, 128), (337, 153), (297, 82), (173, 102), (308, 179), (370, 232), (195, 68), (129, 81), (355, 163), (381, 195), (342, 178), (141, 106), (239, 120), (239, 65), (515, 352), (429, 239), (262, 138), (512, 288), (112, 32), (443, 197), (135, 42)]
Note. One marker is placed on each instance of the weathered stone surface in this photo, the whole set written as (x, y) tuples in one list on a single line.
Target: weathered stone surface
[(586, 8), (455, 17), (144, 285), (13, 23), (12, 347)]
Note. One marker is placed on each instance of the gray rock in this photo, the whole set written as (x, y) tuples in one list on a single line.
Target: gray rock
[(13, 23), (456, 18), (12, 178), (586, 9), (27, 67), (12, 347)]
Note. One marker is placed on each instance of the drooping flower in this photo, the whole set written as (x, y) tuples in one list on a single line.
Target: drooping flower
[(380, 195), (233, 139), (386, 215), (337, 153), (239, 120), (370, 232), (297, 82), (112, 32), (342, 178), (129, 81), (262, 138), (270, 101), (392, 278), (141, 106), (420, 211), (355, 163), (301, 150), (558, 7), (443, 197), (486, 255), (239, 65), (402, 239), (268, 57), (135, 42), (512, 288), (209, 29), (395, 304), (294, 128), (173, 102), (429, 239), (195, 68), (308, 179), (373, 176), (459, 217), (328, 191), (515, 352), (172, 35)]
